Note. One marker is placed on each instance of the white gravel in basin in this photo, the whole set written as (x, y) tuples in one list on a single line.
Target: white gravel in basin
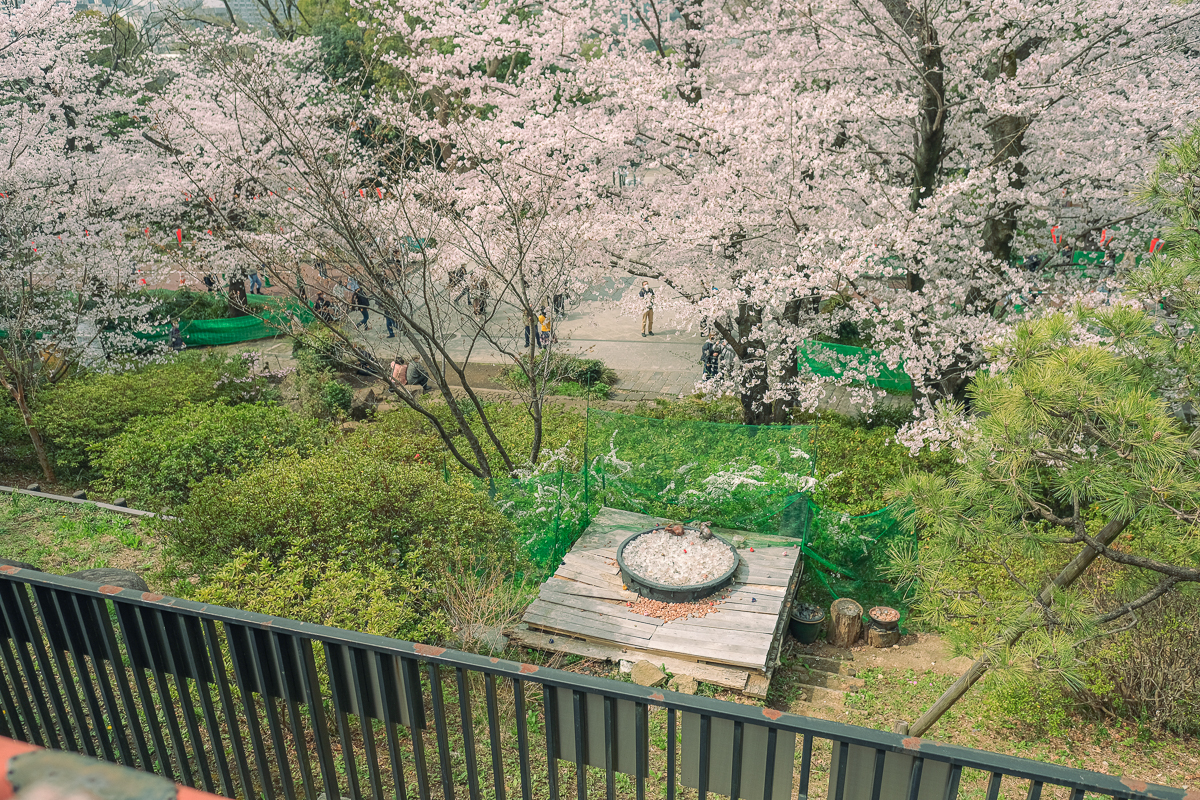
[(678, 560)]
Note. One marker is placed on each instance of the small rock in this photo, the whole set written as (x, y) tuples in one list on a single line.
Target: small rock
[(684, 684), (120, 502), (737, 541), (112, 577), (646, 674), (80, 495), (626, 667), (33, 487), (490, 639)]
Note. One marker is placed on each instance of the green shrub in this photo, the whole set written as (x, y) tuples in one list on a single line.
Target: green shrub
[(336, 397), (697, 407), (857, 464), (91, 408), (15, 445), (344, 506), (189, 305), (155, 461), (1148, 674), (88, 410), (360, 597), (1033, 707), (562, 368)]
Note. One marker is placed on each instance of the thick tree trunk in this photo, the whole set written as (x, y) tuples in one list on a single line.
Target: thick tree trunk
[(1007, 133), (1064, 579), (690, 89)]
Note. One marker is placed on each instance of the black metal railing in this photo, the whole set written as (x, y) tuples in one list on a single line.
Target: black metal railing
[(252, 706)]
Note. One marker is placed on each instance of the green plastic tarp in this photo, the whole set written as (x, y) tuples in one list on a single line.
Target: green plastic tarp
[(268, 318), (830, 360)]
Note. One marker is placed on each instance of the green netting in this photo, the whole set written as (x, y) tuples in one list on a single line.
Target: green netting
[(848, 555), (737, 476), (269, 315), (830, 360), (743, 477)]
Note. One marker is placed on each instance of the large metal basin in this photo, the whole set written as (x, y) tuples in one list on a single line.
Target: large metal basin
[(669, 593)]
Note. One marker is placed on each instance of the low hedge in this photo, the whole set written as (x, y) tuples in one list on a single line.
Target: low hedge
[(340, 506), (156, 461)]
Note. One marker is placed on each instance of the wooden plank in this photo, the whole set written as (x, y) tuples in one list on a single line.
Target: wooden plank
[(603, 607), (725, 677), (761, 593), (597, 635), (750, 640), (723, 654), (593, 578), (595, 630), (761, 579), (761, 609), (754, 653), (584, 617), (732, 619), (586, 562), (757, 686), (568, 586)]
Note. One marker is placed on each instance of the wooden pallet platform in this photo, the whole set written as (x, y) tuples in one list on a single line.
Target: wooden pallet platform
[(734, 646)]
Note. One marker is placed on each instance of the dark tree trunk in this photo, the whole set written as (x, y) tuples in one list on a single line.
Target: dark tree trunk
[(1007, 133), (690, 89)]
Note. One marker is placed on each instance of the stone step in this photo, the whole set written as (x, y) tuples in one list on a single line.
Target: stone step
[(836, 666), (827, 697), (829, 680)]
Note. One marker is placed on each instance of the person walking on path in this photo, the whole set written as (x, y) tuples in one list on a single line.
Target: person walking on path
[(466, 287), (361, 302), (485, 294), (544, 329), (530, 331), (391, 323), (256, 284), (176, 336), (725, 359), (458, 277), (708, 356), (646, 295)]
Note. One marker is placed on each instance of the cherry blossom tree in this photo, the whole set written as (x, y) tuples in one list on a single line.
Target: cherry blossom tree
[(76, 177), (876, 161), (411, 207)]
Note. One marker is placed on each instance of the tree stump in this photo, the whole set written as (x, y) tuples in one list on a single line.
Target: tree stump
[(878, 638), (845, 624)]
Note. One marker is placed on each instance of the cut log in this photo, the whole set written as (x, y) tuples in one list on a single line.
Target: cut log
[(845, 622), (878, 638)]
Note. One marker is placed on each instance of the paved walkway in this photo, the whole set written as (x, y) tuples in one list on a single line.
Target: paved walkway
[(666, 364)]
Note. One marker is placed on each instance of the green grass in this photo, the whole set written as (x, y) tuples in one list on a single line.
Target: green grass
[(66, 537)]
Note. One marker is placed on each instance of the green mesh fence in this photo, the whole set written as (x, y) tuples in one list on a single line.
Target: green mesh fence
[(744, 477), (737, 476), (848, 555), (830, 360)]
